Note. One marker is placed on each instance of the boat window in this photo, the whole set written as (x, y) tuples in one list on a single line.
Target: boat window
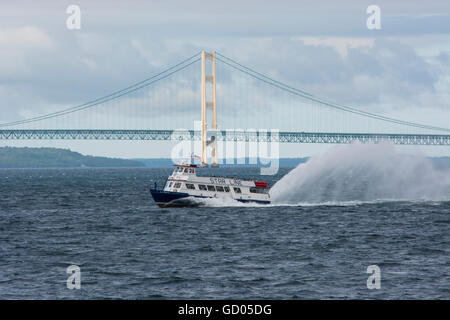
[(211, 188), (202, 187), (177, 185), (219, 188), (186, 170), (190, 186), (258, 190), (227, 189), (170, 184), (180, 169), (237, 190), (191, 170)]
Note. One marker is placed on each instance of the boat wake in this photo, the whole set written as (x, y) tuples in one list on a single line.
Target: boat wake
[(218, 203), (362, 173), (221, 202)]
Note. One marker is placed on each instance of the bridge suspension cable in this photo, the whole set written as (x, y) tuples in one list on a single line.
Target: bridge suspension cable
[(117, 94), (228, 62), (257, 75)]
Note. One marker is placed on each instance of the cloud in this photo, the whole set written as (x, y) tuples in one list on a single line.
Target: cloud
[(365, 77), (341, 44), (26, 37), (328, 53), (15, 43)]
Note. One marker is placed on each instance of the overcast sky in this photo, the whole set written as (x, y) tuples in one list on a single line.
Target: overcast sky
[(324, 47)]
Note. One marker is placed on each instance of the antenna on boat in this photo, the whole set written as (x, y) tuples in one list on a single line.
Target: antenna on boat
[(193, 156)]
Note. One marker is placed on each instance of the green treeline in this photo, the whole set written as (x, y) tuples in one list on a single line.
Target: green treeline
[(11, 157)]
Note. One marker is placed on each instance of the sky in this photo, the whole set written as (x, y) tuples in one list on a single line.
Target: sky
[(324, 47)]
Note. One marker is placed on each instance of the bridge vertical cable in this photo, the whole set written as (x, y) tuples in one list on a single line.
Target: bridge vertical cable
[(315, 114)]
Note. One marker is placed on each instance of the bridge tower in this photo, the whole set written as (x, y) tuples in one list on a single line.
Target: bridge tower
[(209, 104)]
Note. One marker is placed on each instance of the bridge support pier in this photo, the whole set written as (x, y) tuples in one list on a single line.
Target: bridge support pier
[(209, 105)]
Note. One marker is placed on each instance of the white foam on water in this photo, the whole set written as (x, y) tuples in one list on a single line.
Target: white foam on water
[(362, 173), (222, 202), (227, 202)]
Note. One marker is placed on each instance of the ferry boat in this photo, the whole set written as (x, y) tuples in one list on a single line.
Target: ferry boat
[(183, 186)]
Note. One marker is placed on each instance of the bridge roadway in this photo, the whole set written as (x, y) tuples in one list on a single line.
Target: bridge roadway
[(237, 135)]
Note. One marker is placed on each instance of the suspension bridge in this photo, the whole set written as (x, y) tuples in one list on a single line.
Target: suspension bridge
[(244, 104)]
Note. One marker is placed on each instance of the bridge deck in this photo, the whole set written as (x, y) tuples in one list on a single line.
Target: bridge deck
[(284, 137)]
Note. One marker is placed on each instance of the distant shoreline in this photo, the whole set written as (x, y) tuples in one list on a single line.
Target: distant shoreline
[(56, 158), (40, 158)]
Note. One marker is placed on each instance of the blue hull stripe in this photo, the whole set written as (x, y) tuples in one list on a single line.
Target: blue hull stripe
[(162, 197)]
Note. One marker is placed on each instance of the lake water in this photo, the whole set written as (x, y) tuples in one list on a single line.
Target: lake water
[(105, 222)]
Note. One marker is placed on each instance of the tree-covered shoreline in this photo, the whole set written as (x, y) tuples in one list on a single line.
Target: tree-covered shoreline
[(13, 157)]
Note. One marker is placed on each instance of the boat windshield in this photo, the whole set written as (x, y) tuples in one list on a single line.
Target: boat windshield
[(177, 169)]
